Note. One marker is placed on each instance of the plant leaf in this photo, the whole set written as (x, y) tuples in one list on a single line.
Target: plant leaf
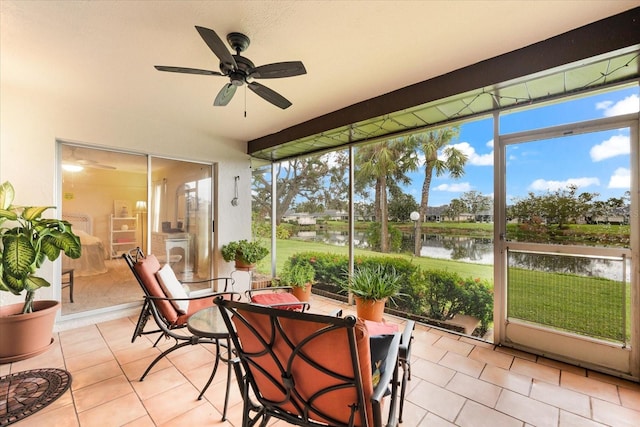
[(33, 283), (32, 213), (11, 284), (7, 194), (18, 256)]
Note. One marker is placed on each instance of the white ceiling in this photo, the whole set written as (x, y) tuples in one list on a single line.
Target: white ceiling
[(103, 52)]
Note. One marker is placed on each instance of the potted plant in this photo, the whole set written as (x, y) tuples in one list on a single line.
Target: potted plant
[(300, 277), (372, 287), (24, 245), (245, 253)]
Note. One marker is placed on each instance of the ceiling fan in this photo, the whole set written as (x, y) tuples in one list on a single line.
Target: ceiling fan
[(241, 70), (73, 159)]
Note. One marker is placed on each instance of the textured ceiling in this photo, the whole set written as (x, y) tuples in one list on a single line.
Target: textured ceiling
[(102, 52)]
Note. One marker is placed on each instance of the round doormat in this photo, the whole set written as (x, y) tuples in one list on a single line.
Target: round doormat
[(26, 392)]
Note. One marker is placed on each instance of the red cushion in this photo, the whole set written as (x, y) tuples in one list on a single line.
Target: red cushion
[(277, 298), (380, 328)]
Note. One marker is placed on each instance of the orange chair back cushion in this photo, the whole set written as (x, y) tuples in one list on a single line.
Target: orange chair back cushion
[(330, 350)]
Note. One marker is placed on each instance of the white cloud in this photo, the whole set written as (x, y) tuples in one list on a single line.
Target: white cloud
[(544, 185), (631, 104), (490, 144), (455, 187), (473, 157), (617, 145), (621, 178)]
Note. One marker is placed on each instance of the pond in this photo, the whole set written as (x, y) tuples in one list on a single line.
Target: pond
[(477, 250)]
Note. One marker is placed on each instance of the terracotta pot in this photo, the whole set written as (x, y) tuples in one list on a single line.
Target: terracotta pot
[(370, 309), (241, 264), (303, 294), (26, 335)]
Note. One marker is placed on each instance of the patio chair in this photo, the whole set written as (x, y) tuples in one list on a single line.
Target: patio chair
[(168, 303), (277, 297), (309, 369)]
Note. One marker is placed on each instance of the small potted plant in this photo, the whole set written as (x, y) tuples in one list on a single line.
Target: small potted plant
[(24, 247), (245, 253), (372, 287), (300, 277)]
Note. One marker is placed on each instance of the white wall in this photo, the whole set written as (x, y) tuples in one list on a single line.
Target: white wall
[(31, 120)]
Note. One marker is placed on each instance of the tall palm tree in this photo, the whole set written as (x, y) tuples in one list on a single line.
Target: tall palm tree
[(438, 157), (381, 162)]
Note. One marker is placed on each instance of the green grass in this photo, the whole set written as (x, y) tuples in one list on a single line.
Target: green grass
[(584, 305)]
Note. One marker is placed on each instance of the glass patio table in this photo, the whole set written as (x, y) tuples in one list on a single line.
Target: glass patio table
[(208, 323)]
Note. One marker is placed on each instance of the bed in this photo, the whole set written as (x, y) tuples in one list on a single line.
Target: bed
[(91, 262)]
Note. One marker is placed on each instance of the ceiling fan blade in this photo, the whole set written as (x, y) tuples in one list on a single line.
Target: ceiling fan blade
[(269, 95), (278, 70), (218, 47), (187, 70), (225, 95)]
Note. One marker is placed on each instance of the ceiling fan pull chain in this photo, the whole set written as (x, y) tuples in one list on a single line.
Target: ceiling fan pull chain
[(245, 102)]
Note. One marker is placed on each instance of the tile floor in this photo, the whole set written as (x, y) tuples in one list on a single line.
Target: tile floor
[(456, 381)]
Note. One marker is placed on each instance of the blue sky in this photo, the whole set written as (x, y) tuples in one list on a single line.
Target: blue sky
[(595, 162)]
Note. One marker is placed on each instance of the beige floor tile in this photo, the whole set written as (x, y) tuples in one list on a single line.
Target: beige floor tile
[(134, 370), (437, 400), (427, 351), (536, 371), (562, 366), (454, 345), (474, 389), (507, 379), (432, 420), (432, 372), (491, 357), (476, 415), (562, 398), (64, 416), (517, 353), (116, 412), (82, 361), (412, 414), (613, 380), (203, 415), (567, 419), (462, 364), (591, 387), (614, 415), (79, 335), (141, 422), (172, 403), (135, 351), (94, 374), (630, 398), (101, 393), (158, 382), (528, 410), (85, 347), (191, 357)]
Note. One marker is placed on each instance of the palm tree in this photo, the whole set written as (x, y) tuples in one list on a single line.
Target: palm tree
[(438, 156), (380, 162)]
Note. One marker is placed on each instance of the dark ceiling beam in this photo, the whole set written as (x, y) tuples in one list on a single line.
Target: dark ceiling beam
[(600, 37)]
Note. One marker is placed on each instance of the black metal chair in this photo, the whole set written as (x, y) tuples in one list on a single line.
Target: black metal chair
[(160, 306), (308, 369)]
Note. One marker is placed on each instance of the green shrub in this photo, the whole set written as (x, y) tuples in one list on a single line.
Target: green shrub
[(373, 237)]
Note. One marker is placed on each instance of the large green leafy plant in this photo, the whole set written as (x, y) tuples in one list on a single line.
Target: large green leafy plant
[(25, 246), (249, 252)]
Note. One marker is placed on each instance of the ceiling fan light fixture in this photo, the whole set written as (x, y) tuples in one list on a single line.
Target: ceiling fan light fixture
[(72, 168)]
